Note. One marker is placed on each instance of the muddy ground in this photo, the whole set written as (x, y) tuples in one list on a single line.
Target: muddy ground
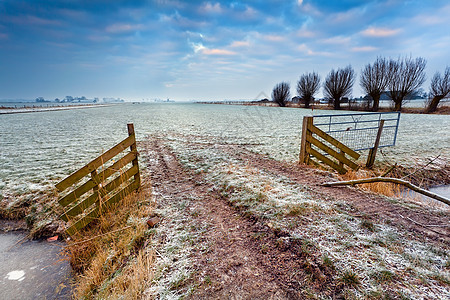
[(245, 256)]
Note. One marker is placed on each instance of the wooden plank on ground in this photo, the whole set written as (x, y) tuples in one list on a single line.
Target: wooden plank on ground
[(95, 163), (80, 207), (335, 142), (339, 156), (83, 222), (328, 161)]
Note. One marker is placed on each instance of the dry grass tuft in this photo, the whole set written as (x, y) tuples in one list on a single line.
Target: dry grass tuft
[(110, 256), (350, 279), (384, 188)]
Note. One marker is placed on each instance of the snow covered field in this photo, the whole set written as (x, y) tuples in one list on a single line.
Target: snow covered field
[(37, 149)]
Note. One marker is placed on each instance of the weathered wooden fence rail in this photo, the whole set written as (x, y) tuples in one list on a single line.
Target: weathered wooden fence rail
[(312, 135), (84, 202)]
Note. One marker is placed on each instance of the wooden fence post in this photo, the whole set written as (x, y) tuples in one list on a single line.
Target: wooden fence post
[(373, 151), (305, 145), (133, 148)]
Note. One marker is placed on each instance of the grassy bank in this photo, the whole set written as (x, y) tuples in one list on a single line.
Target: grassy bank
[(112, 257)]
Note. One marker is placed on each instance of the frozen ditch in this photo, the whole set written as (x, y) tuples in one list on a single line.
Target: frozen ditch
[(443, 190), (32, 269)]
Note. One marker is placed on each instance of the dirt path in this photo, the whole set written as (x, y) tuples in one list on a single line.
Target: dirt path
[(245, 259), (240, 256)]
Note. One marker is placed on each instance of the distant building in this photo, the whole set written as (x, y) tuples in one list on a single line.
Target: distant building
[(113, 100), (296, 99)]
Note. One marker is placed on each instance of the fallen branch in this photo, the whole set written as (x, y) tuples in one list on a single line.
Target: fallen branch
[(392, 180)]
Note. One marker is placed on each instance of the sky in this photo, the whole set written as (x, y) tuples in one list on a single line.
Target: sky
[(205, 50)]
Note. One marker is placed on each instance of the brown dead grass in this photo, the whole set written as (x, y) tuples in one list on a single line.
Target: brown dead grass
[(383, 188), (110, 257)]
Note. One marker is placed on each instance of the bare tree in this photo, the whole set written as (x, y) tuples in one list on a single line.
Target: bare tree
[(307, 86), (374, 80), (439, 89), (281, 93), (339, 84), (407, 75)]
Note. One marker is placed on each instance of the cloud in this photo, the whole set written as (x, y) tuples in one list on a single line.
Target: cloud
[(364, 49), (121, 28), (237, 44), (243, 12), (274, 38), (217, 52), (308, 51), (304, 33), (310, 9), (79, 16), (338, 40), (183, 22), (171, 3), (197, 47), (200, 48), (440, 16), (347, 16), (430, 20), (3, 36), (99, 38), (209, 8), (380, 32), (299, 2), (32, 20)]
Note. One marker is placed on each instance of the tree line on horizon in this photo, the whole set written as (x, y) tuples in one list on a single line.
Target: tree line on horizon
[(398, 78)]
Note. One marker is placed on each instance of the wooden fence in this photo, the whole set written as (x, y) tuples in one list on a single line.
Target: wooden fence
[(84, 201), (313, 136)]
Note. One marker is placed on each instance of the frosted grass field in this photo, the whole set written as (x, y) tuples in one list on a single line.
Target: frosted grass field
[(38, 149)]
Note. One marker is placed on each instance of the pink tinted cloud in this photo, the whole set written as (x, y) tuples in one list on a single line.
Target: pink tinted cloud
[(207, 51), (380, 32), (237, 44), (364, 49), (273, 38)]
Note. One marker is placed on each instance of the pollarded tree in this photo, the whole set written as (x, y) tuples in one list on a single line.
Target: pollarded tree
[(374, 80), (407, 75), (439, 89), (281, 93), (307, 86), (339, 84)]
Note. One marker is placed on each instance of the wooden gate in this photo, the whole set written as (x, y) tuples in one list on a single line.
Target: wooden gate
[(85, 201), (312, 135)]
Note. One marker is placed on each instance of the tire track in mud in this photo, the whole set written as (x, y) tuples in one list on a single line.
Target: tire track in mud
[(243, 258), (434, 225)]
